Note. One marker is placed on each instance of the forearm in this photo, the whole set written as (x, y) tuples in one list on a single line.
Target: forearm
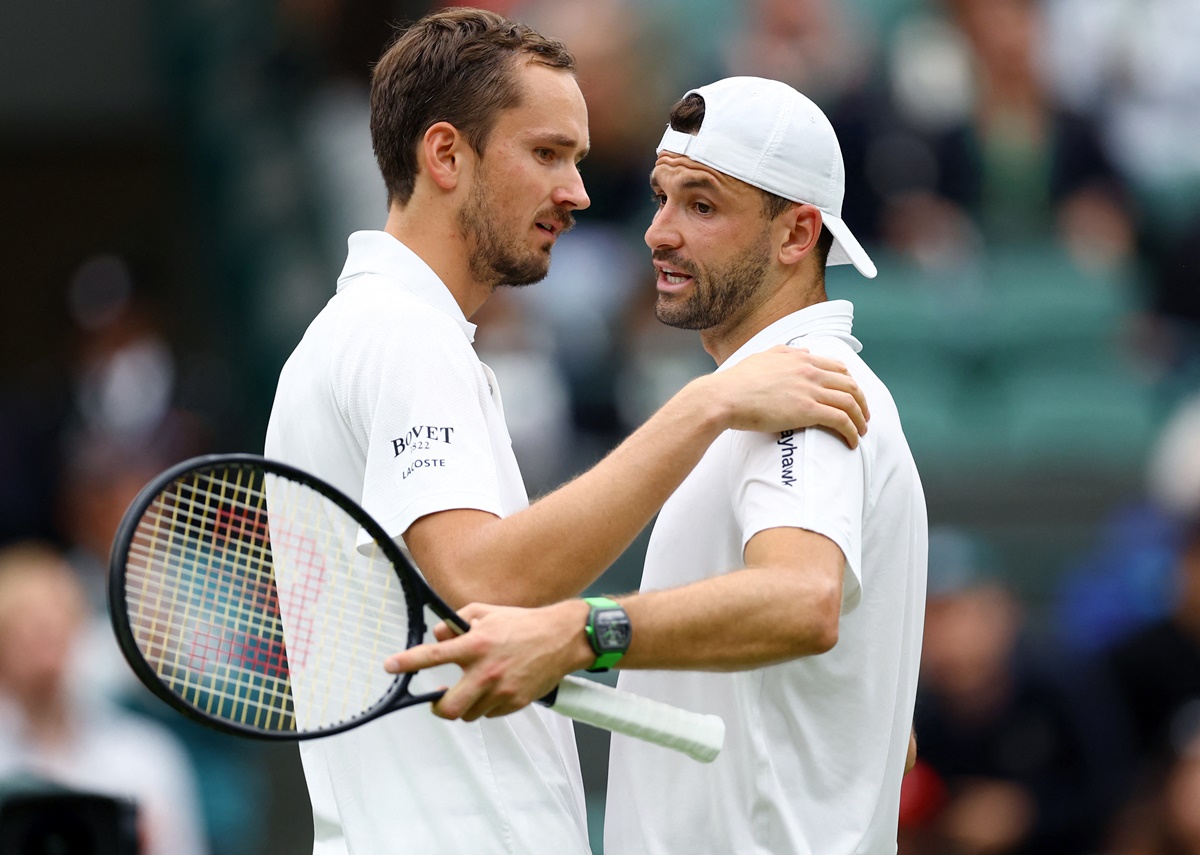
[(561, 543), (746, 619), (786, 604)]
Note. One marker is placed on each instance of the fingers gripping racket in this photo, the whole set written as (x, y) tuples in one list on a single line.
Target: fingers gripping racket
[(261, 601)]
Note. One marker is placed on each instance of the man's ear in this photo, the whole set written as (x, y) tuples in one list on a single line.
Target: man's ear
[(803, 224), (445, 153)]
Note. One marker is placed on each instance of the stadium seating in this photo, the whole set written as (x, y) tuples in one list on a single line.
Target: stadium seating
[(1015, 364)]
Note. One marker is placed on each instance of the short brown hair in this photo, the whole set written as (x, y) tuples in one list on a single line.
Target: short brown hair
[(688, 115), (456, 65)]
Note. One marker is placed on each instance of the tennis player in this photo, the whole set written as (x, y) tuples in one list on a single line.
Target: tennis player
[(478, 126), (784, 583)]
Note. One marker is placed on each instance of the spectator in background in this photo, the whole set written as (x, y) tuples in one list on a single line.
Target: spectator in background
[(116, 375), (1133, 66), (121, 427), (1171, 336), (1021, 751), (1023, 165), (53, 729), (1165, 817), (1129, 578), (1181, 826), (816, 46), (1157, 668), (998, 157)]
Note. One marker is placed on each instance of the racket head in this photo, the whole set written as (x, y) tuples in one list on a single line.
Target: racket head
[(257, 599)]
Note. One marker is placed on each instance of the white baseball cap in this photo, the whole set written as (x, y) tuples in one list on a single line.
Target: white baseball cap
[(767, 134)]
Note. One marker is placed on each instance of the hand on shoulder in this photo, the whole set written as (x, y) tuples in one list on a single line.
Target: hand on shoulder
[(787, 388)]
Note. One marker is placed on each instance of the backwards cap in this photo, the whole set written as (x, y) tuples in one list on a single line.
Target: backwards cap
[(768, 135)]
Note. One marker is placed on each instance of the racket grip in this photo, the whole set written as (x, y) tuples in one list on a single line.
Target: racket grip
[(697, 735)]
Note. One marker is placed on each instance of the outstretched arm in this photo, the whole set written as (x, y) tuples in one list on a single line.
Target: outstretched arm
[(560, 544), (784, 604)]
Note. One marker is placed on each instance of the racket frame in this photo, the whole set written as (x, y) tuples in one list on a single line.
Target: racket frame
[(418, 595)]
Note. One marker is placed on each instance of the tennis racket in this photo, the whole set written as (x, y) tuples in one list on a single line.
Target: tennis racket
[(261, 601)]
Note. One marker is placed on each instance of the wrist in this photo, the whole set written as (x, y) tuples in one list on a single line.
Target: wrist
[(707, 405), (579, 649)]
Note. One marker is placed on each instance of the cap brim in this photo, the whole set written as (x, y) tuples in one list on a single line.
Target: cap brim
[(846, 248)]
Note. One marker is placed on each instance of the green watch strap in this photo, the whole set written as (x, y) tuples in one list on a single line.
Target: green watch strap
[(605, 659)]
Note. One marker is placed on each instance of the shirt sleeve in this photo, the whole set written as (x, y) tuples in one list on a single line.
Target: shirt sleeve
[(419, 410), (804, 479)]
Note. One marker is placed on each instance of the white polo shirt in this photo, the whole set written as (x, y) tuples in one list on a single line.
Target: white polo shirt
[(385, 398), (815, 747)]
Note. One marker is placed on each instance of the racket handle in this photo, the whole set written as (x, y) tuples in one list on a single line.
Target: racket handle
[(697, 735)]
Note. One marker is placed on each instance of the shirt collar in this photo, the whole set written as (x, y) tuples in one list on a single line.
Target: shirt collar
[(832, 318), (379, 254)]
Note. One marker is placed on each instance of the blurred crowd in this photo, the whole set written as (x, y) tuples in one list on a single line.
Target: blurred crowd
[(1023, 171)]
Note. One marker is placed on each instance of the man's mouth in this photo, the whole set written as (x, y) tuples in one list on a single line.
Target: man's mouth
[(671, 277), (555, 224)]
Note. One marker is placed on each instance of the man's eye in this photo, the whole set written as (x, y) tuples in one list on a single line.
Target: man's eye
[(703, 208), (544, 153), (658, 199)]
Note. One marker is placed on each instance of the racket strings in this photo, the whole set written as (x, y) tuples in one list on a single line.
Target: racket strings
[(248, 598)]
